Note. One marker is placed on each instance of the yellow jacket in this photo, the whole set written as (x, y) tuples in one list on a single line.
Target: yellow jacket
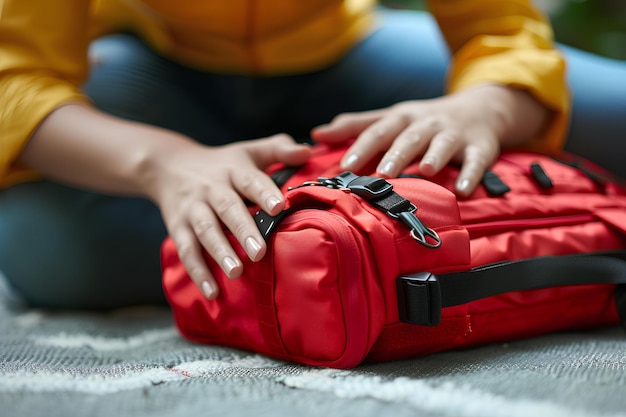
[(43, 45)]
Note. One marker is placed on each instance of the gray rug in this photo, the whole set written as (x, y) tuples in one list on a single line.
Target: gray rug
[(133, 363)]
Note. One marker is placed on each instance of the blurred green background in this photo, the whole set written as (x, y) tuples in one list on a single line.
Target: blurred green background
[(597, 26)]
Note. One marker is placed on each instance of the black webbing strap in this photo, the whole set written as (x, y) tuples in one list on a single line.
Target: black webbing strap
[(378, 192), (422, 296), (600, 178), (281, 176)]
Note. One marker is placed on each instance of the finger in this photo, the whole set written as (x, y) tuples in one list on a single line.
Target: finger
[(208, 230), (259, 188), (190, 254), (477, 159), (345, 126), (444, 145), (374, 140), (230, 208), (254, 184), (279, 148), (408, 145)]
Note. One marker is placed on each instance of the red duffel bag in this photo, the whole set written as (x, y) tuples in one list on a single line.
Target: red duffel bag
[(362, 268)]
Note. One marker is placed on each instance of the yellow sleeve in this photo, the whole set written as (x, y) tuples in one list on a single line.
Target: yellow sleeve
[(507, 42), (43, 61)]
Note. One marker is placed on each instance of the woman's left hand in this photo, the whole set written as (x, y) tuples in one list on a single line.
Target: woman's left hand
[(469, 127)]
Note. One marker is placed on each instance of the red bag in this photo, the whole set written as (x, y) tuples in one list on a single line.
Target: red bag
[(360, 268)]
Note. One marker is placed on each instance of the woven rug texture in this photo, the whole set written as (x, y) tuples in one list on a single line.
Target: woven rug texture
[(133, 363)]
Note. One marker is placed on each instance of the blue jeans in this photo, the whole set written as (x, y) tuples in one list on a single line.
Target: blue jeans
[(62, 247)]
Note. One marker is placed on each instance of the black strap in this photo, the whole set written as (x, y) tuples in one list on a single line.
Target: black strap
[(376, 191), (422, 296), (600, 178), (281, 176)]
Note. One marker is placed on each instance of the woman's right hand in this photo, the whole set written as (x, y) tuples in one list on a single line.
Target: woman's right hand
[(199, 187)]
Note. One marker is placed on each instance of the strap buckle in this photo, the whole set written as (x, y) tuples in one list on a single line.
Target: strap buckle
[(376, 188), (419, 299), (365, 187)]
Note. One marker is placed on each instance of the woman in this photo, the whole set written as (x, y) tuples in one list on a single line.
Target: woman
[(168, 125)]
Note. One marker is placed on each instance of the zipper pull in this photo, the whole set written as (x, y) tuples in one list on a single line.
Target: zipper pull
[(493, 184), (540, 176), (422, 234)]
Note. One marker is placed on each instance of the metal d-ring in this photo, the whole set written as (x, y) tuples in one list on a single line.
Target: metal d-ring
[(422, 238)]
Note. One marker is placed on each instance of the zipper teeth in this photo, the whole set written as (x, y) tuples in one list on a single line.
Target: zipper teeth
[(525, 223)]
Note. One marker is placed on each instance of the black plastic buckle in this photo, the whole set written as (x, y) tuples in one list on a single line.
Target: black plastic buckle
[(365, 187), (419, 299), (267, 224)]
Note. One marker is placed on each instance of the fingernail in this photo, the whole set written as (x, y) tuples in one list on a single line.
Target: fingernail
[(387, 167), (228, 264), (429, 161), (350, 160), (252, 247), (463, 185), (207, 289), (428, 166), (272, 202)]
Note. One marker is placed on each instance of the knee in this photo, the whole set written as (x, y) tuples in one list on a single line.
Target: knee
[(95, 278), (122, 77), (52, 273), (63, 248), (117, 50)]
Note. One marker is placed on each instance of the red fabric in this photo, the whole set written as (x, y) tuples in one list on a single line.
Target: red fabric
[(324, 294)]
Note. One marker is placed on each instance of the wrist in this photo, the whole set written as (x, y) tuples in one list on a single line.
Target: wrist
[(154, 164), (516, 115)]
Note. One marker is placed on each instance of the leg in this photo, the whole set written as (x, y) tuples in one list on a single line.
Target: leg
[(66, 248), (598, 125), (129, 80), (405, 58)]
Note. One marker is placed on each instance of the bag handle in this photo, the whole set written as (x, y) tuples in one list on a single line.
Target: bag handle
[(421, 296)]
